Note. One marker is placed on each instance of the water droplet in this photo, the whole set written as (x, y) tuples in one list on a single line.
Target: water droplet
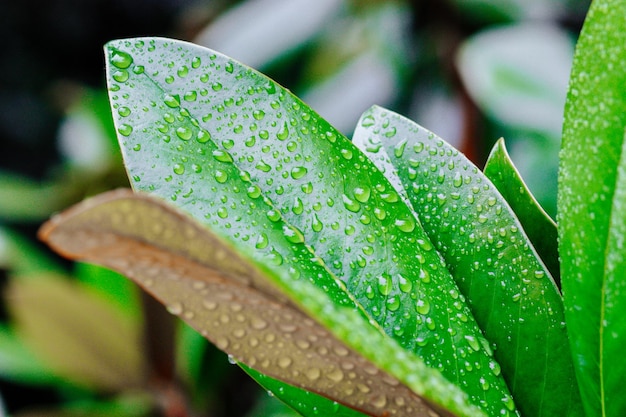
[(121, 76), (222, 156), (171, 101), (216, 86), (425, 244), (390, 197), (346, 153), (472, 342), (350, 204), (284, 362), (184, 133), (221, 176), (183, 71), (313, 373), (457, 181), (179, 169), (368, 121), (263, 166), (404, 284), (335, 375), (405, 225), (175, 308), (283, 133), (393, 303), (229, 67), (190, 96), (539, 274), (203, 136), (292, 234), (121, 60), (222, 213), (195, 62), (125, 130), (379, 401), (422, 306), (298, 206), (298, 172), (398, 150), (362, 194), (258, 323), (316, 225), (123, 111), (258, 114), (384, 284), (254, 191), (495, 367)]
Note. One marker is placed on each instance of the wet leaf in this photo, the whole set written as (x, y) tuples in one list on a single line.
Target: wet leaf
[(260, 316), (512, 295), (258, 167), (306, 403), (538, 225), (75, 333), (592, 208)]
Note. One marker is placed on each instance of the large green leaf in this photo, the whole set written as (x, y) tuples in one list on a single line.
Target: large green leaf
[(260, 316), (592, 210), (264, 172), (512, 295), (539, 227)]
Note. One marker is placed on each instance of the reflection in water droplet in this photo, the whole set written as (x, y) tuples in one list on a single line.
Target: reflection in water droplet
[(125, 130), (121, 59), (184, 133), (384, 284)]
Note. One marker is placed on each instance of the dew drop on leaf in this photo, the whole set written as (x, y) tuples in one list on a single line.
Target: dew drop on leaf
[(121, 60)]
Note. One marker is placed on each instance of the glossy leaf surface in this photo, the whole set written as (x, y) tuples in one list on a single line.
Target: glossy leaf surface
[(592, 208), (259, 316), (539, 227), (508, 288), (260, 169)]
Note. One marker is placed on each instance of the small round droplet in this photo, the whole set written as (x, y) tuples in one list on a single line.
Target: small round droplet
[(184, 133), (298, 172), (125, 130), (121, 59)]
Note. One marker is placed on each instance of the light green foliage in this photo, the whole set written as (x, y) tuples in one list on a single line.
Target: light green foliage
[(592, 208)]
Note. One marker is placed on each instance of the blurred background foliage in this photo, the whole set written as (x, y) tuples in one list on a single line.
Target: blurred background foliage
[(79, 340)]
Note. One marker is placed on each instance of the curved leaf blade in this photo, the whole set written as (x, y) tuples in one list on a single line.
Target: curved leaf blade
[(538, 225), (591, 207), (260, 317), (510, 292), (256, 165)]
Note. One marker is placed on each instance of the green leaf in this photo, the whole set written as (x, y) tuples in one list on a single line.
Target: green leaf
[(511, 294), (260, 316), (591, 208), (539, 227), (306, 403), (263, 171)]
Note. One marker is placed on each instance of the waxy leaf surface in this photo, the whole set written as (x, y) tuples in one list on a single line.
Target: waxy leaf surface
[(264, 172), (512, 295), (592, 209), (539, 227), (260, 317)]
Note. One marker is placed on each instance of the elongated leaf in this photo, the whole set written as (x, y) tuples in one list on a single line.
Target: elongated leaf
[(591, 208), (256, 165), (508, 288), (539, 227), (259, 316), (76, 334)]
